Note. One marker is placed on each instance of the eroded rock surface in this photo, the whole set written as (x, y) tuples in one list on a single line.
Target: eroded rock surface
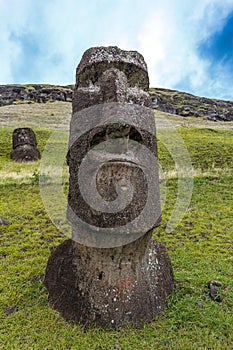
[(128, 284), (111, 272), (9, 94), (24, 145)]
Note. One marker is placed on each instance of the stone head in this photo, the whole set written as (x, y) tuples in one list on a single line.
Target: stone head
[(23, 136), (112, 141)]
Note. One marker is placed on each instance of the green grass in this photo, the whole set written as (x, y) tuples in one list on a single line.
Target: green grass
[(209, 149), (52, 115), (200, 248)]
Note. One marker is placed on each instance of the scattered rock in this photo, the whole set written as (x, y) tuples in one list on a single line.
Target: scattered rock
[(11, 310), (213, 293), (4, 222), (37, 278), (200, 303)]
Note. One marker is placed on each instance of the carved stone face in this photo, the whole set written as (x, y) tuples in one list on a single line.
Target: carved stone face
[(23, 136), (109, 132), (111, 75), (24, 145)]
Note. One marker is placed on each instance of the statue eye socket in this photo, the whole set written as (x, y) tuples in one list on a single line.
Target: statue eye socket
[(92, 74), (98, 138), (135, 135), (115, 131)]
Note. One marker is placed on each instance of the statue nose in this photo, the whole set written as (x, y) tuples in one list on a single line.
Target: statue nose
[(113, 85)]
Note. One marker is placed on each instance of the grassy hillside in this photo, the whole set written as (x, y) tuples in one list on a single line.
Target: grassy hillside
[(165, 100), (186, 105), (200, 247)]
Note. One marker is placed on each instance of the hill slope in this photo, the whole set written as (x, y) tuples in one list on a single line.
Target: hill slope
[(169, 101)]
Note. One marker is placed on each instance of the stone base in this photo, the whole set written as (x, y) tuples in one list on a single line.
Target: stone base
[(109, 287)]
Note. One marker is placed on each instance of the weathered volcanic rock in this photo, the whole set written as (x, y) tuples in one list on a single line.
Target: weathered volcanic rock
[(112, 272), (188, 105), (9, 94), (109, 287), (166, 100), (24, 145), (4, 222)]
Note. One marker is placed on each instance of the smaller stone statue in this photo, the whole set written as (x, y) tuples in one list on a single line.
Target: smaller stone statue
[(24, 145)]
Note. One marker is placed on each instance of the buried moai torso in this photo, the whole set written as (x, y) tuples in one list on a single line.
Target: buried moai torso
[(24, 145), (112, 272)]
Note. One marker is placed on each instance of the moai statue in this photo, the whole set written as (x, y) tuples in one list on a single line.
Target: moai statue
[(24, 145), (112, 272)]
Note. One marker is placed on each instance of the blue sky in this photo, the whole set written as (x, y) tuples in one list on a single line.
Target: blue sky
[(187, 44)]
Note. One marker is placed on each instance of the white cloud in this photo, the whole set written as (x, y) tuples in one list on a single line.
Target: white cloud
[(166, 32), (169, 42)]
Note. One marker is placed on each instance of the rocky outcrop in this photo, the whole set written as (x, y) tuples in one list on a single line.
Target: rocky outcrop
[(10, 94), (165, 100), (187, 105)]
